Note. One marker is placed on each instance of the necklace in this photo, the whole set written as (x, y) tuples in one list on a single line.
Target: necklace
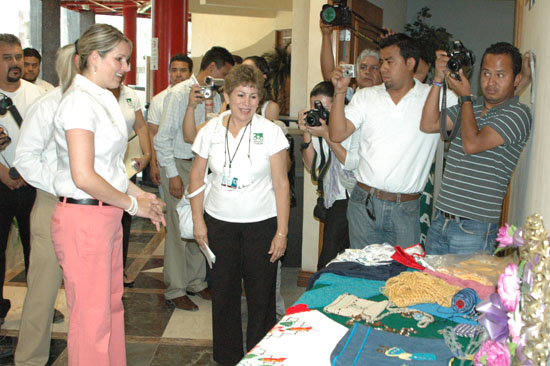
[(227, 153)]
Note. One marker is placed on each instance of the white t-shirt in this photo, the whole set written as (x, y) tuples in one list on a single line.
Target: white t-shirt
[(247, 192), (44, 85), (35, 155), (87, 106), (154, 114), (326, 180), (129, 104), (394, 155), (22, 98)]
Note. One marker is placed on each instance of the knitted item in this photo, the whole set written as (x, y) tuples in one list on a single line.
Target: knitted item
[(411, 288)]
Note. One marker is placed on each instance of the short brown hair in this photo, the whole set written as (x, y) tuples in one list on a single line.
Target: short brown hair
[(244, 75)]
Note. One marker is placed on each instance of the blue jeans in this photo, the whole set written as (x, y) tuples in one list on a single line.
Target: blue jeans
[(396, 223), (460, 236)]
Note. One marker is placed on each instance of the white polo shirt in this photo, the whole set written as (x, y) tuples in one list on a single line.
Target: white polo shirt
[(394, 155), (35, 154), (44, 85), (87, 106), (247, 192), (129, 104), (154, 114), (22, 98)]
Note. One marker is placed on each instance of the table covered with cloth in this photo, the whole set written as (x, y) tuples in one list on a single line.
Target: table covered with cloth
[(354, 313)]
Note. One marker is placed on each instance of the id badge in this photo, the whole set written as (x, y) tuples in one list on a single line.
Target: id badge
[(229, 182)]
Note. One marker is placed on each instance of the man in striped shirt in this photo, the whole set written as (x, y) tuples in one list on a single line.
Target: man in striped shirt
[(493, 130)]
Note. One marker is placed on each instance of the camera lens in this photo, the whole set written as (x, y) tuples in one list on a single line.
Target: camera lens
[(328, 14), (454, 64)]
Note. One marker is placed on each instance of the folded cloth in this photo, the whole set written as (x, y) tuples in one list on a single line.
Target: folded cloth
[(353, 306), (305, 338), (330, 286), (362, 345), (483, 291), (405, 258), (351, 269)]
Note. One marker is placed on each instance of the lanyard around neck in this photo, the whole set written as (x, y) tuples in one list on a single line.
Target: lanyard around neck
[(227, 153)]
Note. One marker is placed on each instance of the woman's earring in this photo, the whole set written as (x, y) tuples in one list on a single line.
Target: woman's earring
[(95, 69)]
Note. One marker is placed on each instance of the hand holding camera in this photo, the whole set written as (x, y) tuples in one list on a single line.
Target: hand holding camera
[(195, 96), (338, 79)]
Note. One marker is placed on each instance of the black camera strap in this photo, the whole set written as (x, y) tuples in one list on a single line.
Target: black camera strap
[(445, 135), (6, 104), (323, 167)]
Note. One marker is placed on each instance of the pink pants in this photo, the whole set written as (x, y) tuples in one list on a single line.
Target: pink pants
[(88, 245)]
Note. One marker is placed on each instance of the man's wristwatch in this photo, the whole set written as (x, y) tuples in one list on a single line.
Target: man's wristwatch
[(465, 98)]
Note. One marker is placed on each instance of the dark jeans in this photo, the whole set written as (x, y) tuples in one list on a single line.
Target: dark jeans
[(241, 253), (335, 234), (460, 236), (17, 203)]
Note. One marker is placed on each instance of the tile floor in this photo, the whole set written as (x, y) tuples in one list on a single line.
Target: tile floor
[(155, 335)]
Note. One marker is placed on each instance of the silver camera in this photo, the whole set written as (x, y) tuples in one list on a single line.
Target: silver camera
[(349, 70), (211, 85)]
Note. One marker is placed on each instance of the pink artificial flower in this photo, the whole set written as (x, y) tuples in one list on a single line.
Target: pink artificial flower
[(496, 354), (509, 287), (515, 324), (503, 237)]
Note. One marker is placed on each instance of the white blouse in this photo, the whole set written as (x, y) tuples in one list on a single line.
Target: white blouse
[(242, 188), (87, 106)]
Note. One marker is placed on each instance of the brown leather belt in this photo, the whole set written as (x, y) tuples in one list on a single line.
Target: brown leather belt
[(190, 159), (387, 196)]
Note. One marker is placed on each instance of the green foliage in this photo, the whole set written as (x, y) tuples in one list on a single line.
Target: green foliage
[(430, 38), (279, 63)]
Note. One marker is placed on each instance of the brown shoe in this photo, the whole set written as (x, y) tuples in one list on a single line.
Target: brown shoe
[(183, 303), (203, 294)]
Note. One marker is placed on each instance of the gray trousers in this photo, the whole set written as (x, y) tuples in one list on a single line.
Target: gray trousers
[(184, 264), (43, 281)]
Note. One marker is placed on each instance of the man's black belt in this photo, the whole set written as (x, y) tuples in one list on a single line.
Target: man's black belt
[(452, 217), (84, 201)]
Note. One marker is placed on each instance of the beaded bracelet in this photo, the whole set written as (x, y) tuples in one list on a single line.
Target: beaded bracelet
[(133, 209)]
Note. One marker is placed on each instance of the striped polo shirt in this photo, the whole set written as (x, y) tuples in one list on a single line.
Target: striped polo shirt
[(474, 185)]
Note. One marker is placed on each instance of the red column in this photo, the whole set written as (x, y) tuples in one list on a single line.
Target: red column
[(129, 14), (170, 28)]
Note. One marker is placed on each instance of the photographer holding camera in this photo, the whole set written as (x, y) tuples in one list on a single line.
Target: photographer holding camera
[(493, 130), (394, 155), (320, 152)]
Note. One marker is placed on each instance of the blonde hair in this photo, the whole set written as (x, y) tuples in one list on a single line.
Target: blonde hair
[(64, 66), (101, 38)]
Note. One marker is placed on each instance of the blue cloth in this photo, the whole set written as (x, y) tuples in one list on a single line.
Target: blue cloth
[(445, 313), (396, 223), (460, 236), (354, 269), (362, 345), (334, 286)]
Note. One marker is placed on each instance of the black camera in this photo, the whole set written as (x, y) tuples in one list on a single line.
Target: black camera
[(315, 114), (337, 14), (460, 58)]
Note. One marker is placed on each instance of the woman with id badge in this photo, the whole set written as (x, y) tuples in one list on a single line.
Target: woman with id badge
[(244, 220)]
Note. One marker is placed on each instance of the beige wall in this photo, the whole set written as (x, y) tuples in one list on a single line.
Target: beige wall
[(529, 190), (305, 73), (244, 36)]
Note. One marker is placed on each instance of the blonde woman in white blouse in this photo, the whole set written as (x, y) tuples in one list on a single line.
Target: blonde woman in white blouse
[(93, 189)]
